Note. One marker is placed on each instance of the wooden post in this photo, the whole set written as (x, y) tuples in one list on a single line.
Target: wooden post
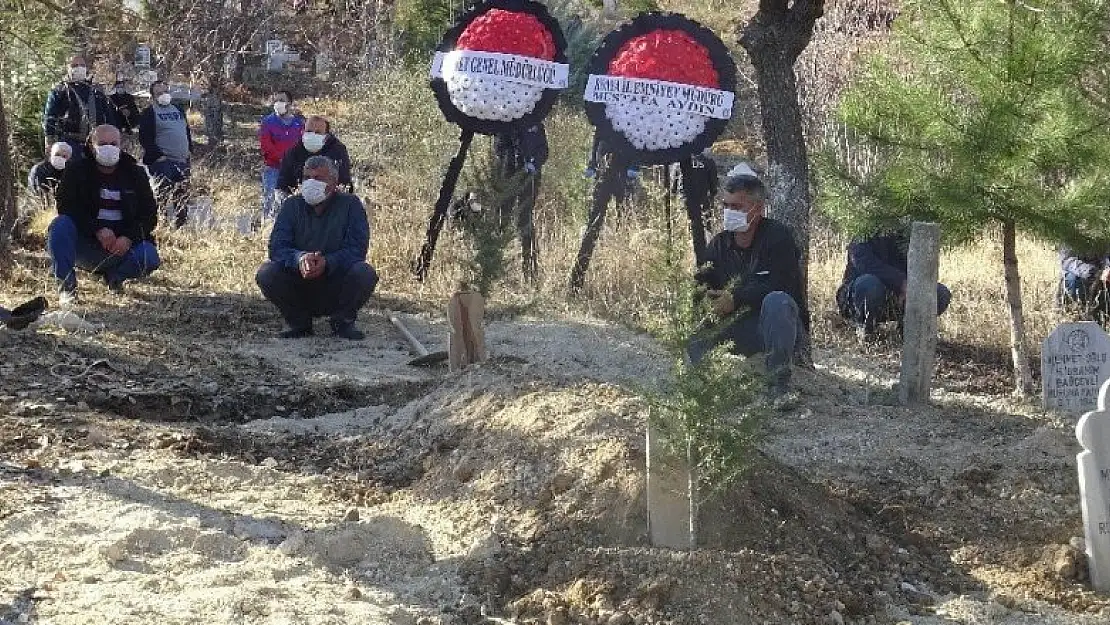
[(919, 324), (672, 510), (467, 344)]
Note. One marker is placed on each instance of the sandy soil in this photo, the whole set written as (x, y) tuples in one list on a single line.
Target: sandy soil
[(147, 478)]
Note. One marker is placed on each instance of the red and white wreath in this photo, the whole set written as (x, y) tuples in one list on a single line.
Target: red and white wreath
[(501, 64), (660, 88)]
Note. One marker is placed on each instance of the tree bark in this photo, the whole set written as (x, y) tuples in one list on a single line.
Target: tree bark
[(1023, 379), (214, 111), (7, 192), (774, 38)]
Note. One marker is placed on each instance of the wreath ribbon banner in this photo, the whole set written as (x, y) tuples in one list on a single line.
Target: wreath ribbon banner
[(660, 94), (508, 67)]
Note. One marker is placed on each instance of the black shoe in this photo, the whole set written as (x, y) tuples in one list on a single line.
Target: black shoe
[(348, 331), (296, 333)]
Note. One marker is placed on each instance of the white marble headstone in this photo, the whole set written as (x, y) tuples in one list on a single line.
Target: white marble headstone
[(1093, 432), (1075, 362)]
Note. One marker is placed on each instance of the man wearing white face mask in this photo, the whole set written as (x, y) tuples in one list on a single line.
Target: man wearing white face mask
[(167, 144), (277, 134), (754, 279), (44, 177), (317, 140), (318, 248), (74, 107), (106, 217)]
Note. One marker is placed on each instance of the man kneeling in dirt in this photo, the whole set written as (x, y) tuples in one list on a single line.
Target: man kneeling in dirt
[(318, 247), (755, 281), (106, 217)]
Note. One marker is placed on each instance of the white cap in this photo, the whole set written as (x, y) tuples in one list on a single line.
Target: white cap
[(743, 169), (61, 145)]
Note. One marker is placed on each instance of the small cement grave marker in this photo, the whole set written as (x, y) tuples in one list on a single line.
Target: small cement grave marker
[(670, 502), (1074, 365), (1093, 432)]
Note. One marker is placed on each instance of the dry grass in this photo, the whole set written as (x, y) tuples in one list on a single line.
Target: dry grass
[(399, 141)]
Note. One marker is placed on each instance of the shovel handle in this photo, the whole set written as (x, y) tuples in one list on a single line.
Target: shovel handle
[(416, 345)]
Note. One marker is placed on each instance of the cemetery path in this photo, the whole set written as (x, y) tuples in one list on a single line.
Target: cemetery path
[(171, 477)]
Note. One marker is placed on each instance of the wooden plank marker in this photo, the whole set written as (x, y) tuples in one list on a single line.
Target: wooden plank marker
[(467, 345)]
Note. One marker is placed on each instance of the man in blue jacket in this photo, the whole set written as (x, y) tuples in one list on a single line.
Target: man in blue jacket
[(874, 287), (318, 248)]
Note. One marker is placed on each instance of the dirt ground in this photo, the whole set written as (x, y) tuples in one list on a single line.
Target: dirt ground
[(160, 471)]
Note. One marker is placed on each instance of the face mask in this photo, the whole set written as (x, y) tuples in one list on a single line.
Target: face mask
[(107, 155), (313, 141), (79, 73), (58, 162), (314, 191), (736, 221), (280, 107), (165, 99)]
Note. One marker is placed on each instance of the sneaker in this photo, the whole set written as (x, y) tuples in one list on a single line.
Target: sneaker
[(348, 331), (296, 333)]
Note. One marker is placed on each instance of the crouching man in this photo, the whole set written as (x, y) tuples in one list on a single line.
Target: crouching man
[(755, 281), (106, 217), (318, 247)]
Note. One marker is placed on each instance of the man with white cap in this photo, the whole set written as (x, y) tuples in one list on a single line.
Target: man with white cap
[(754, 280)]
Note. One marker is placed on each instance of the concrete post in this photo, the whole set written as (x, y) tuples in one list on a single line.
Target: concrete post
[(919, 329)]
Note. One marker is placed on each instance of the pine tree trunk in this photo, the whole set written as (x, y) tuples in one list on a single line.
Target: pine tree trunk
[(213, 107), (7, 192), (1023, 379)]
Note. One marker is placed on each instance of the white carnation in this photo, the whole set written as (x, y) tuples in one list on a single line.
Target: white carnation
[(489, 98), (648, 128)]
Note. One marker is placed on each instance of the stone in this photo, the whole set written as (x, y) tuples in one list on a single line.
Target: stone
[(352, 594), (836, 618), (558, 617), (1074, 365), (293, 544), (1070, 564), (919, 335), (1093, 432), (619, 618), (465, 469), (351, 515)]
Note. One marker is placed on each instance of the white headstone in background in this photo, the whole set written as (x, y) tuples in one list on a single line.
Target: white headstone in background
[(1074, 365), (275, 55), (142, 57), (1093, 432)]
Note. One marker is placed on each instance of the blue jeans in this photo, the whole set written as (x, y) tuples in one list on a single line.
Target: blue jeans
[(171, 180), (868, 302), (69, 250), (774, 331), (271, 199)]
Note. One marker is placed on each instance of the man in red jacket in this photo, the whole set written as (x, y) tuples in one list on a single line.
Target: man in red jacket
[(278, 132)]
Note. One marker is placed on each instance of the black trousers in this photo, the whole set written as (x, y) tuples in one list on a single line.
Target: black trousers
[(336, 296)]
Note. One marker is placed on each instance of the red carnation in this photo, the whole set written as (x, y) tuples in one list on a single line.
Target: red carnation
[(670, 55), (508, 32)]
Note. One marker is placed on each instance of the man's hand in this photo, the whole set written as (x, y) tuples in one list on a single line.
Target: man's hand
[(121, 246), (107, 239), (312, 265), (722, 303)]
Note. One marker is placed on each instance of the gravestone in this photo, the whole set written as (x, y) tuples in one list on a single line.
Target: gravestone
[(919, 342), (1074, 366), (275, 55), (670, 501), (142, 57), (1093, 432)]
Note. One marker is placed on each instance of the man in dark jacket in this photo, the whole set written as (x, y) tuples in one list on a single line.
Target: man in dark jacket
[(318, 247), (106, 217), (523, 149), (874, 287), (1086, 281), (755, 281), (127, 109), (44, 177), (74, 107), (167, 147), (317, 140)]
